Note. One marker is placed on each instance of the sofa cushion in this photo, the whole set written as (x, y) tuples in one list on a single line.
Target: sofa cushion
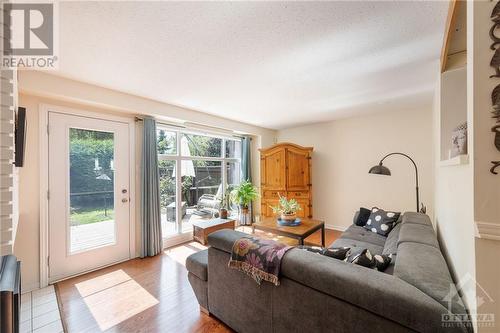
[(418, 233), (381, 221), (416, 218), (356, 244), (197, 264), (355, 232), (424, 267), (391, 244), (224, 239), (200, 289)]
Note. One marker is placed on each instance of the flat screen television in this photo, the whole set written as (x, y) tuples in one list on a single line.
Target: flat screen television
[(20, 136)]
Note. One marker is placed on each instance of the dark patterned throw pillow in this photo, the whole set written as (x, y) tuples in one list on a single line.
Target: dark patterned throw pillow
[(363, 257), (382, 261), (362, 217), (358, 256), (335, 252), (381, 221), (314, 249)]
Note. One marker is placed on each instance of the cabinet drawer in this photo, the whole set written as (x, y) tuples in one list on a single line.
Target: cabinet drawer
[(273, 194), (298, 194)]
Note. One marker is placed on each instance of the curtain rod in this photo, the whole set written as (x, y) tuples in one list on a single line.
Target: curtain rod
[(137, 119), (201, 128)]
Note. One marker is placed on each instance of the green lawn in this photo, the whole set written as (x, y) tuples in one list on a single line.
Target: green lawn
[(90, 215)]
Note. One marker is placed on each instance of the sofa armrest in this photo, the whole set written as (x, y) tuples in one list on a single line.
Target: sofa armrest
[(224, 239), (379, 293)]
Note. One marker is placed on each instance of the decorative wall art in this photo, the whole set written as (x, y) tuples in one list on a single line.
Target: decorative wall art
[(495, 63), (495, 17), (496, 129), (495, 94)]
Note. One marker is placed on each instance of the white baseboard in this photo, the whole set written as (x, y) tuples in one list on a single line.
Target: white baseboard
[(177, 239), (488, 230), (336, 227)]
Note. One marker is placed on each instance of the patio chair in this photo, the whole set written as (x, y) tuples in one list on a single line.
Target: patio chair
[(209, 204)]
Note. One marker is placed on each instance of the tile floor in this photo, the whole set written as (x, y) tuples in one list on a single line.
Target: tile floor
[(40, 312)]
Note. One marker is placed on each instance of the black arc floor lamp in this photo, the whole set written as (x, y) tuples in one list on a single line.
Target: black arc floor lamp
[(380, 169)]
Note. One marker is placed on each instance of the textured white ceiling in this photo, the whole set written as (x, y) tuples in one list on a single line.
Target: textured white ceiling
[(274, 65)]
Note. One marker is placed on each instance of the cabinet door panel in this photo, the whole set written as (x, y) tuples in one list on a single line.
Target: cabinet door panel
[(266, 210), (273, 163), (304, 212), (298, 170)]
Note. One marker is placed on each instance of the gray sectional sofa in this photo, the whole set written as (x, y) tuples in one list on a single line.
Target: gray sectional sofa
[(322, 294)]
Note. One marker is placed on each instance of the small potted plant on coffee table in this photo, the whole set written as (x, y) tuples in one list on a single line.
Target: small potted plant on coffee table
[(287, 209)]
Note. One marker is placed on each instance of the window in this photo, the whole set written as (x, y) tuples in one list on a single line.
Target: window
[(233, 178), (166, 142), (168, 195), (91, 184), (195, 171), (200, 145)]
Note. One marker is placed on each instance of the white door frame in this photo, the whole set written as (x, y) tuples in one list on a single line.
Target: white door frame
[(43, 110)]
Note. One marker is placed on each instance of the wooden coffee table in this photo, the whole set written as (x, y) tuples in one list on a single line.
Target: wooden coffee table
[(202, 228), (300, 232)]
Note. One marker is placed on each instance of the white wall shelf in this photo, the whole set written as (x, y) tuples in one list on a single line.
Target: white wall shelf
[(453, 111), (457, 160)]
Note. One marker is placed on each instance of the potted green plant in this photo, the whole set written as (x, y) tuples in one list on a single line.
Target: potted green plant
[(287, 209), (243, 195), (224, 207)]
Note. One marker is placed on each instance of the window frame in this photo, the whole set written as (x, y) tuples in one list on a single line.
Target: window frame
[(178, 158)]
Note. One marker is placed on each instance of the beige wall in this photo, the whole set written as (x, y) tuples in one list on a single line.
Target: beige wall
[(453, 185), (486, 185), (37, 88), (468, 196), (344, 151)]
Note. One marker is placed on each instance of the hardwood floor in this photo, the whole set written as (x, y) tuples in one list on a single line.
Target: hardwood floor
[(141, 295)]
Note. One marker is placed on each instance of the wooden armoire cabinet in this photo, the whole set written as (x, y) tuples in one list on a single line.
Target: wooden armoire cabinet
[(286, 170)]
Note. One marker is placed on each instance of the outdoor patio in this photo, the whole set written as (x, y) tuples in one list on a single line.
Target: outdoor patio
[(97, 234), (92, 235), (168, 224)]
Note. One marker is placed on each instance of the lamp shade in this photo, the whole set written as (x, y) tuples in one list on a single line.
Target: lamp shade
[(380, 170)]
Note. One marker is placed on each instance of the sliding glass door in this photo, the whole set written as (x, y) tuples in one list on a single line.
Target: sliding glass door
[(196, 170)]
